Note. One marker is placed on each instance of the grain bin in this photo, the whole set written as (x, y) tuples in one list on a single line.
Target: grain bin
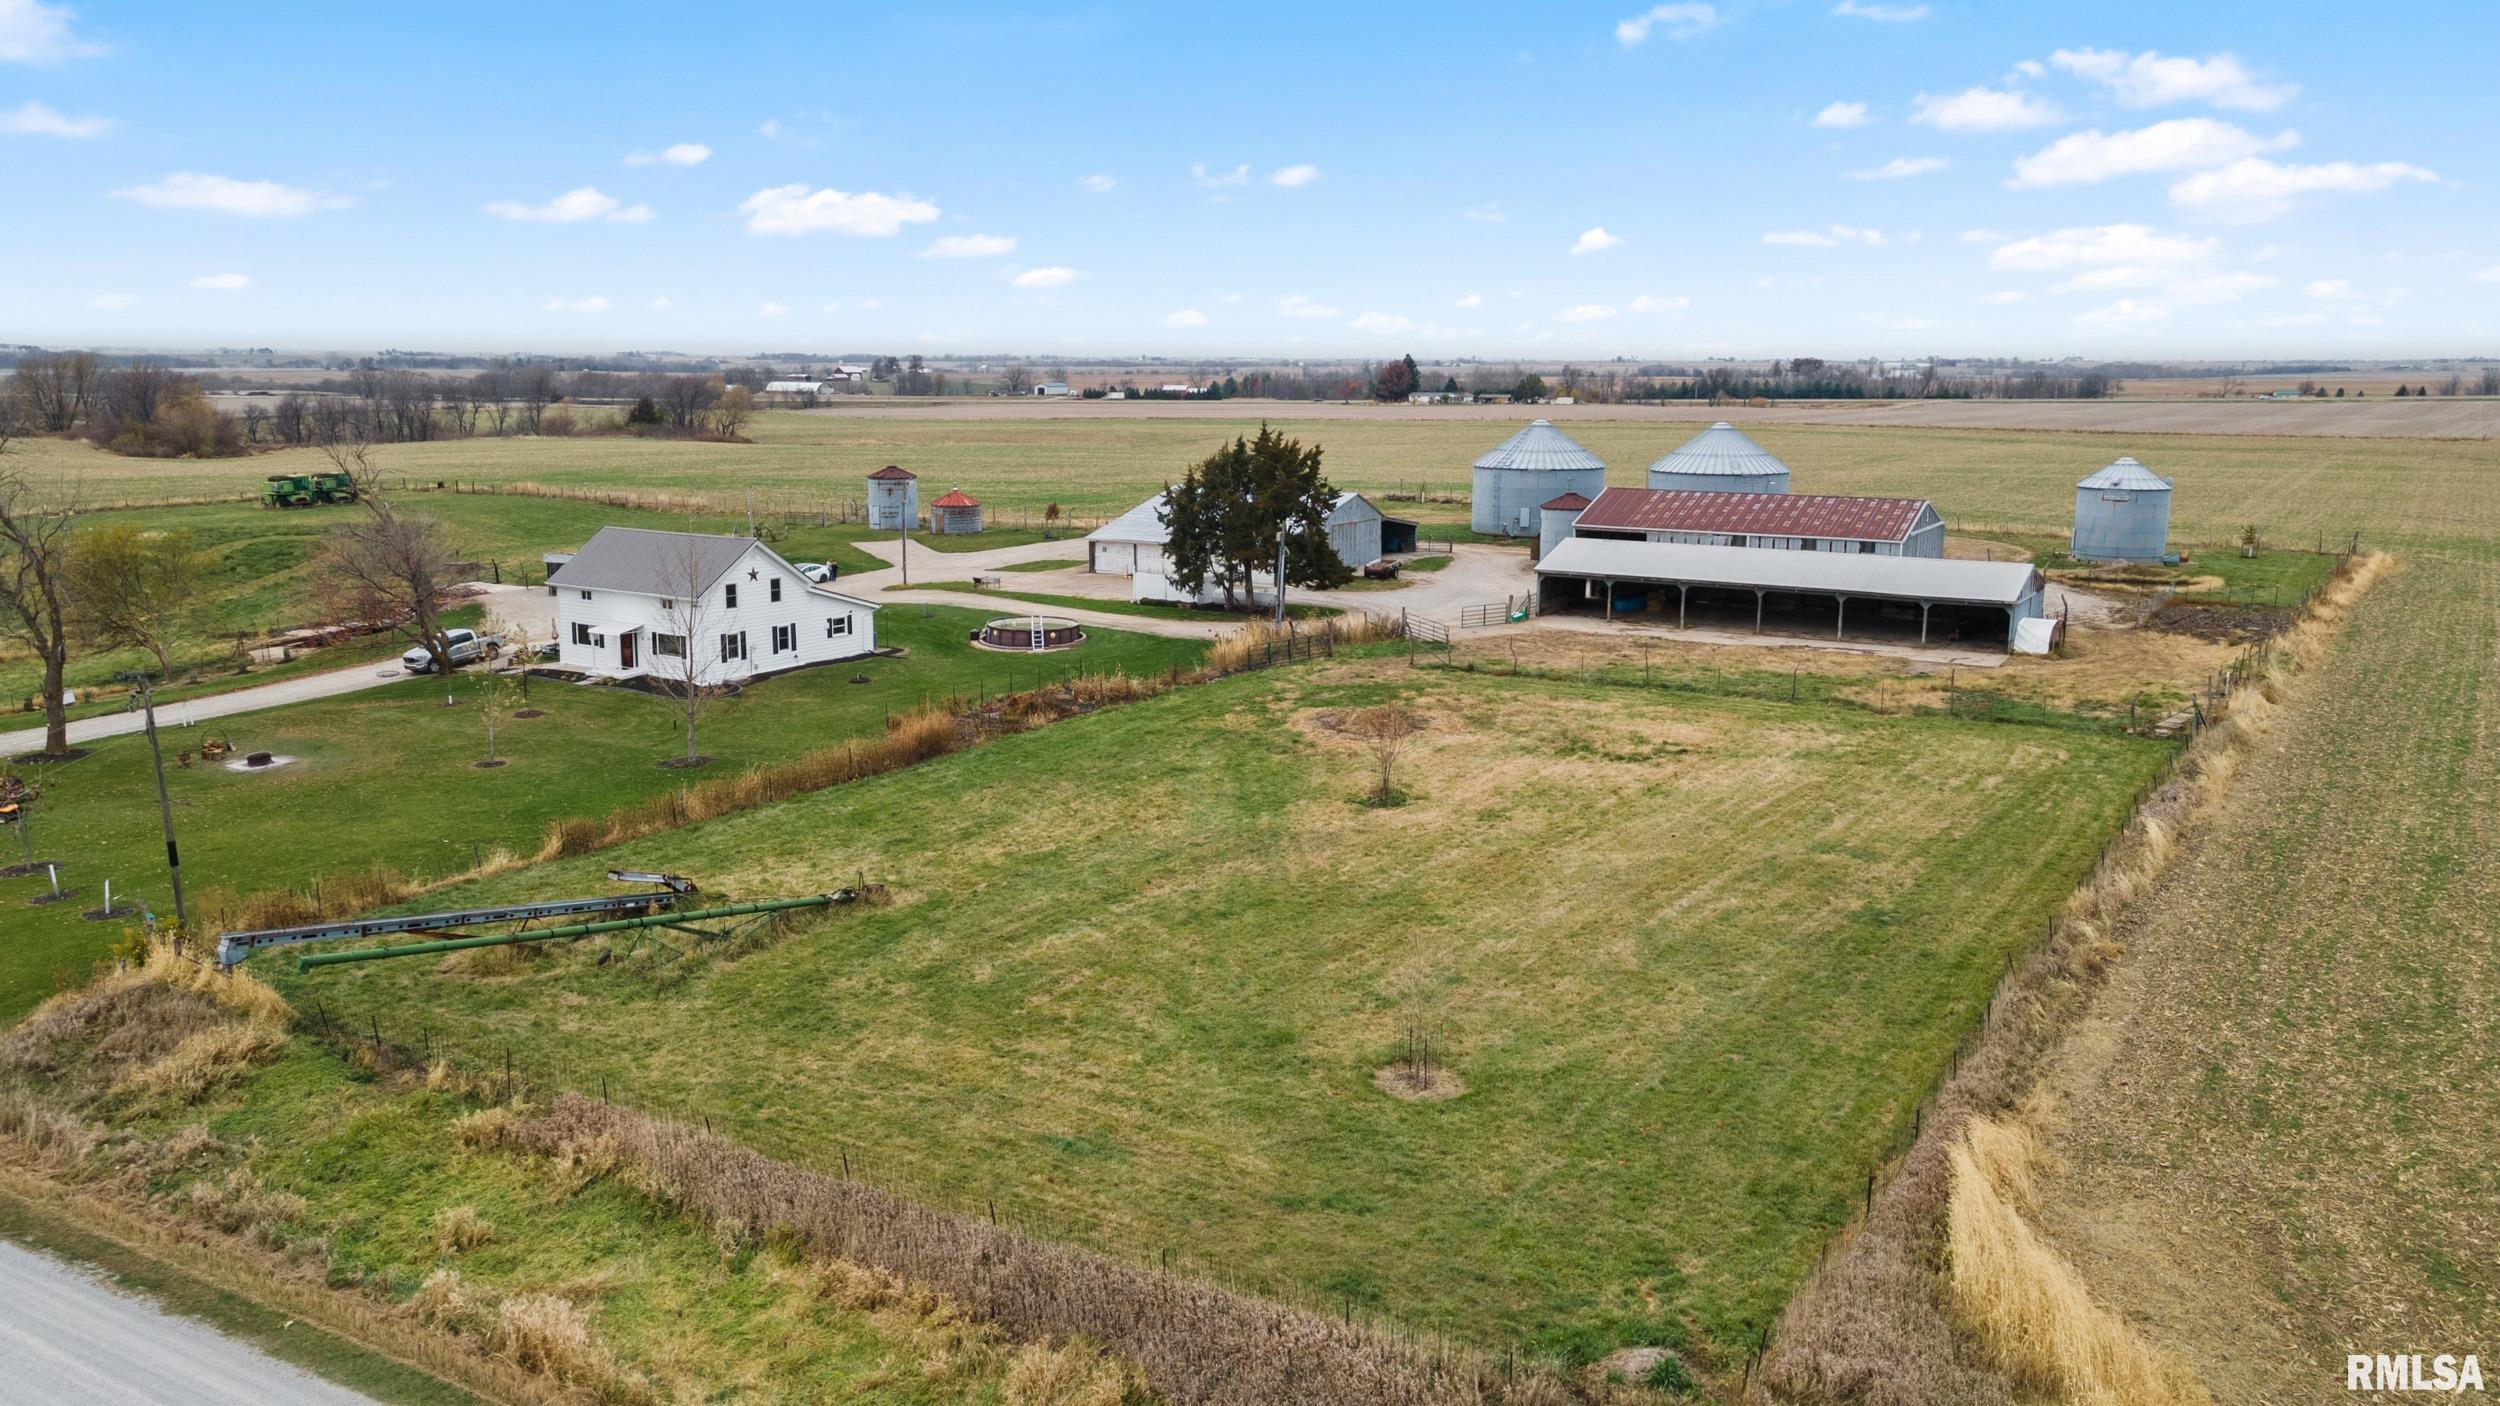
[(893, 499), (1555, 518), (2122, 513), (955, 513), (1525, 470), (1721, 459)]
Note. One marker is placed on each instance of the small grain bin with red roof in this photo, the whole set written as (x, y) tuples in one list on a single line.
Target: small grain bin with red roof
[(955, 513)]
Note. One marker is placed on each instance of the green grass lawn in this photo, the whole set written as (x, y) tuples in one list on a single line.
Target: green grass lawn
[(1050, 565), (1149, 609), (1695, 959), (384, 777)]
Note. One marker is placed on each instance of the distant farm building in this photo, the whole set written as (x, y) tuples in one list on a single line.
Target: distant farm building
[(1133, 543), (1890, 599), (1721, 459), (1051, 388), (1797, 522), (1527, 470), (794, 390), (636, 603), (954, 513), (894, 499), (2122, 513)]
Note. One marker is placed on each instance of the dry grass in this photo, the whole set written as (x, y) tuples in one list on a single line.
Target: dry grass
[(1071, 1374), (1870, 1325), (209, 1060), (1254, 642), (460, 1229), (2025, 1303), (551, 1336)]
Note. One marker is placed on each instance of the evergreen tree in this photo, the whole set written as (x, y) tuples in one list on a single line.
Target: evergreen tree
[(1228, 513)]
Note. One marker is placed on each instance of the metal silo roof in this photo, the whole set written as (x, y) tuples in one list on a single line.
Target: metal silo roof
[(1540, 448), (2129, 476), (1721, 450)]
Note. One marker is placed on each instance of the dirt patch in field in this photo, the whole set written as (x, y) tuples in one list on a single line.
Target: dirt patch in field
[(2223, 624), (1430, 1084)]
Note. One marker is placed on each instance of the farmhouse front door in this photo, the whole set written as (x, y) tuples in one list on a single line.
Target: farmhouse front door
[(625, 650)]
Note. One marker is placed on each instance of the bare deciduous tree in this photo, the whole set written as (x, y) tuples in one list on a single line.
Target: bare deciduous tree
[(686, 664), (395, 570), (35, 543), (1385, 730), (730, 415)]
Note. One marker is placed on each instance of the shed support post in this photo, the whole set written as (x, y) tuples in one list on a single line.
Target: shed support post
[(1923, 607), (1840, 618), (1610, 600), (1683, 597), (1757, 611)]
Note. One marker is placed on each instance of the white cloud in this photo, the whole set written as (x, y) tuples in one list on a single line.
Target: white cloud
[(1490, 212), (1295, 305), (1984, 110), (2217, 287), (772, 310), (1679, 22), (2489, 275), (189, 190), (970, 246), (2254, 189), (1886, 14), (1098, 184), (795, 210), (2181, 144), (1593, 240), (1239, 175), (1906, 324), (31, 32), (37, 120), (769, 128), (2150, 79), (573, 207), (681, 154), (1472, 300), (1185, 317), (1828, 237), (223, 282), (2004, 296), (1901, 166), (1841, 115), (2329, 289), (660, 303), (110, 301), (1651, 303), (1587, 312), (2125, 313), (1292, 176), (1049, 276), (2088, 247), (1381, 322), (590, 304)]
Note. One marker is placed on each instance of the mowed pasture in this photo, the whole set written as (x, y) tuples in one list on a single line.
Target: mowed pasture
[(1696, 961), (2292, 485)]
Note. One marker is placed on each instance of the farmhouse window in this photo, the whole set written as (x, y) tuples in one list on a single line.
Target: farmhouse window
[(775, 589), (837, 625), (582, 634), (733, 646), (730, 596), (668, 646), (785, 638), (585, 595)]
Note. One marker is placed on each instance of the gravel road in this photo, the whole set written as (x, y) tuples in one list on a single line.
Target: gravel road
[(67, 1338)]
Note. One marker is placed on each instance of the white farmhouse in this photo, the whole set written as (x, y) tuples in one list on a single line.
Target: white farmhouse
[(635, 603)]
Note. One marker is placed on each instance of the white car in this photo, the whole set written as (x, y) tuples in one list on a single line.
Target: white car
[(819, 572), (467, 647)]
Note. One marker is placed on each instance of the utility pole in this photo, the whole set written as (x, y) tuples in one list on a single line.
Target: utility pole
[(1280, 578), (902, 538), (146, 690)]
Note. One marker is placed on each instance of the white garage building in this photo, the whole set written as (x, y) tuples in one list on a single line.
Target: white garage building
[(1133, 542), (635, 603)]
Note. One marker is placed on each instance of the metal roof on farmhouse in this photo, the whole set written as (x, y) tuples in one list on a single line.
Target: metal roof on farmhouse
[(1754, 514), (1540, 448), (956, 498), (1936, 579), (1563, 504), (2128, 476), (651, 563), (894, 471), (1722, 450)]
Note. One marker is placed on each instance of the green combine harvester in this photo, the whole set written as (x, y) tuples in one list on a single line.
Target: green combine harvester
[(307, 490)]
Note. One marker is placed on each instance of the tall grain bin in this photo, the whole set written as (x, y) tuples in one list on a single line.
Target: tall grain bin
[(955, 513), (894, 499), (2122, 513), (1554, 519), (1525, 470), (1721, 459)]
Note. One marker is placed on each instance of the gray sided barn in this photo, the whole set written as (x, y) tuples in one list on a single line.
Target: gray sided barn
[(1517, 477)]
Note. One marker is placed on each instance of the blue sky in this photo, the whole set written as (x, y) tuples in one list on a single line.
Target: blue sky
[(1876, 176)]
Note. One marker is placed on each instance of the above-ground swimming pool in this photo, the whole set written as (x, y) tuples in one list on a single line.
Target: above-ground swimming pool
[(1030, 633)]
